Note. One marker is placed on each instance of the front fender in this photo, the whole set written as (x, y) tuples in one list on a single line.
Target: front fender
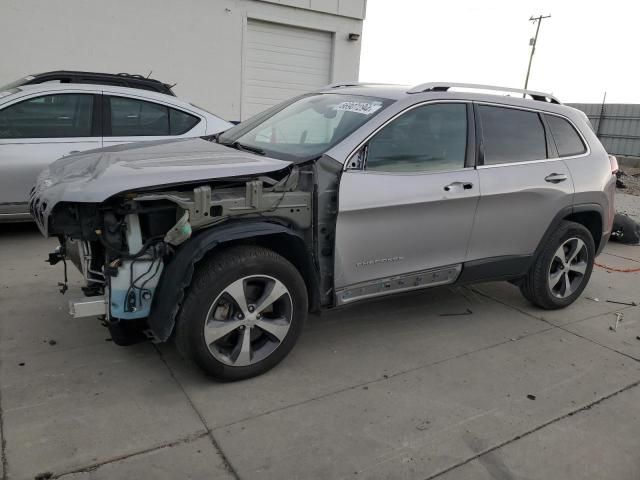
[(178, 272)]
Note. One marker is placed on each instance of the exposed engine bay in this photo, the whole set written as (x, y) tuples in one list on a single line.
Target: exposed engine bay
[(121, 246)]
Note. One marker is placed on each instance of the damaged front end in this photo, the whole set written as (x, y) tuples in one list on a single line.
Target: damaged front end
[(123, 245)]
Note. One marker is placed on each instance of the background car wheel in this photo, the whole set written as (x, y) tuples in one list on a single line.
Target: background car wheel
[(562, 269), (242, 314)]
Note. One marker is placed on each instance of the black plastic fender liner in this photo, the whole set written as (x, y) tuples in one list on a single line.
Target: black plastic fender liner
[(178, 272)]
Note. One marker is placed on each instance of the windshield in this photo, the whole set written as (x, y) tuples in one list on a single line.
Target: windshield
[(305, 128)]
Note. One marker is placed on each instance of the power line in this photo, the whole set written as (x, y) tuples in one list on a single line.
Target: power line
[(533, 42)]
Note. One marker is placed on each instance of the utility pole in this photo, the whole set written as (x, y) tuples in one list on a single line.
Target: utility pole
[(533, 42), (601, 118)]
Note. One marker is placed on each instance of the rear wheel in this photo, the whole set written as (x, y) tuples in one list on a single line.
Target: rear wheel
[(243, 313), (562, 269)]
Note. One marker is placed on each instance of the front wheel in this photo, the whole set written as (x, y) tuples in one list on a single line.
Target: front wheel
[(243, 313), (562, 269)]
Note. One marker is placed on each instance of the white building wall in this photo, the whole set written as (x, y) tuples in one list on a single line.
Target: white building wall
[(348, 8), (197, 44)]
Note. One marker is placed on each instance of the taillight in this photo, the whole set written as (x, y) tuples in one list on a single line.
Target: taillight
[(614, 164)]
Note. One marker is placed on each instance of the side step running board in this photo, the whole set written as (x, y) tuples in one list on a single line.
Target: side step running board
[(399, 283)]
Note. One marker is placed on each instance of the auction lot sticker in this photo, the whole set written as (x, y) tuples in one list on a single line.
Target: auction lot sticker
[(365, 108)]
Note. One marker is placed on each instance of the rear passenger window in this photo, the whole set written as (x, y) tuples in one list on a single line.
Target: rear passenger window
[(511, 135), (567, 139), (133, 118), (137, 118)]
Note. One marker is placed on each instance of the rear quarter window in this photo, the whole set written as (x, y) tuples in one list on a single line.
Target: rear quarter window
[(568, 141), (181, 122)]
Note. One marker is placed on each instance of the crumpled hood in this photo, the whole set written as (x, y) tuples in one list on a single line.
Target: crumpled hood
[(96, 175)]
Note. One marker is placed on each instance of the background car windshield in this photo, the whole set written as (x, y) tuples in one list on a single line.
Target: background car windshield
[(307, 127)]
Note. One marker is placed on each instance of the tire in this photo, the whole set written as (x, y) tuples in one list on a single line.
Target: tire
[(553, 282), (231, 340)]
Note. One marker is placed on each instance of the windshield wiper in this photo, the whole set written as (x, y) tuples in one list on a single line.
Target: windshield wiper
[(240, 146)]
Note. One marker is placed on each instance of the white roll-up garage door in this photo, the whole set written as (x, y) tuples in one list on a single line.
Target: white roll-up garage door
[(282, 61)]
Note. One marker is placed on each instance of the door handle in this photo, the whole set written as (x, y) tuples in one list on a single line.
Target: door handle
[(73, 151), (456, 185), (556, 178)]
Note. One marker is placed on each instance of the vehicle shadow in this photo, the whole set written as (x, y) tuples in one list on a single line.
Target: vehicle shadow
[(18, 228)]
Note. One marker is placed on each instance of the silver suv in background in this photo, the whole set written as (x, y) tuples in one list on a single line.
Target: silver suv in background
[(42, 122), (352, 192)]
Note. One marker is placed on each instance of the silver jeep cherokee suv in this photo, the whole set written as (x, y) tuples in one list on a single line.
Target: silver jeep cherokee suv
[(352, 192)]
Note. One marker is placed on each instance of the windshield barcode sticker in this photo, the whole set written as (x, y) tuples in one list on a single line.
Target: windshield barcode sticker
[(365, 108)]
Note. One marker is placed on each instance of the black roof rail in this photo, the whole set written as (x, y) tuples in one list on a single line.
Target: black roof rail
[(100, 78)]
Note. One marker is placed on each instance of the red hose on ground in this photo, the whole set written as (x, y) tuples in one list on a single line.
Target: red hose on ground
[(613, 269)]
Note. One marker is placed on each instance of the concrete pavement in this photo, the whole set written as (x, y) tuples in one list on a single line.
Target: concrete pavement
[(385, 389)]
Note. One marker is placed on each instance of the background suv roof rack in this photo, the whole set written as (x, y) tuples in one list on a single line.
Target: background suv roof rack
[(117, 79), (444, 86)]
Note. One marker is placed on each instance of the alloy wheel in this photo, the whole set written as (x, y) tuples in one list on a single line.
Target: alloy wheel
[(568, 267), (249, 320)]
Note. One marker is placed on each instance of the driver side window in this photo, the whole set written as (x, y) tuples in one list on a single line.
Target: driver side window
[(428, 138)]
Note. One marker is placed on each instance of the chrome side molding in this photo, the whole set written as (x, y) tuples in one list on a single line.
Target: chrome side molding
[(398, 283)]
